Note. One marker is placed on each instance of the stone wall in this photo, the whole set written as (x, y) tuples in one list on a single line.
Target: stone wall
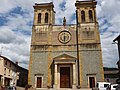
[(39, 67)]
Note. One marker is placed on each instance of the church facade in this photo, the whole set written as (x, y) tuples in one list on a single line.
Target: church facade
[(65, 56)]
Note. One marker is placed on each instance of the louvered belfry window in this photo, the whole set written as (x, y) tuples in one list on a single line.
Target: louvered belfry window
[(83, 16), (90, 16), (39, 18), (46, 17)]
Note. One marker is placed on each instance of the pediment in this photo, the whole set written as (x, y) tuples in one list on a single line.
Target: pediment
[(64, 57)]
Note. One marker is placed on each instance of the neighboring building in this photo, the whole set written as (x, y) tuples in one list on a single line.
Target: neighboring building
[(111, 74), (23, 77), (65, 56), (117, 41), (11, 74)]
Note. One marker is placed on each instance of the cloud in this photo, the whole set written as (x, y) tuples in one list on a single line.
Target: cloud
[(6, 6), (19, 22), (109, 50), (17, 51), (108, 14), (8, 36), (69, 10)]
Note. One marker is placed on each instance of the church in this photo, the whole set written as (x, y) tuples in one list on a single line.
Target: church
[(66, 55)]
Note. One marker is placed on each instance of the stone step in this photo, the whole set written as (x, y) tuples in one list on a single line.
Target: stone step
[(19, 88), (65, 89)]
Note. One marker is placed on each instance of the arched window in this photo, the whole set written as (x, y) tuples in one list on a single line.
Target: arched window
[(83, 16), (90, 16), (46, 17), (39, 18)]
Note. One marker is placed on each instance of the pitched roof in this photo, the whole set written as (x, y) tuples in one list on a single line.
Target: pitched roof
[(117, 38), (5, 58)]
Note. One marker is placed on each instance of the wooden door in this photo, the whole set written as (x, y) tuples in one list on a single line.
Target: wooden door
[(92, 82), (64, 77), (39, 82)]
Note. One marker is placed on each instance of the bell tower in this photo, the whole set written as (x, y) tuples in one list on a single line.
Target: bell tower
[(87, 21), (89, 43), (86, 11), (44, 14), (44, 19)]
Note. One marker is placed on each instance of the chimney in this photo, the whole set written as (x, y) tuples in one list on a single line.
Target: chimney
[(16, 63)]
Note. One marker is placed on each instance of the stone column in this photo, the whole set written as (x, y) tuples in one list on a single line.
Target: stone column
[(74, 76), (55, 76)]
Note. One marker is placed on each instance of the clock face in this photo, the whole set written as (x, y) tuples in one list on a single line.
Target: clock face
[(64, 37)]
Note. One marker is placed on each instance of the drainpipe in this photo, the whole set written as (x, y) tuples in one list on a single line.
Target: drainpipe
[(77, 24)]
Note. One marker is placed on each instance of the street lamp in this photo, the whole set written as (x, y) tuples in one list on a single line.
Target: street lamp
[(117, 41)]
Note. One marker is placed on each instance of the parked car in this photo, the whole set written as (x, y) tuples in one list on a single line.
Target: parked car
[(102, 85), (11, 88), (112, 87), (118, 87)]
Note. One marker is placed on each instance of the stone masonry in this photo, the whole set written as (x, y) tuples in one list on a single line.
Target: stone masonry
[(54, 47)]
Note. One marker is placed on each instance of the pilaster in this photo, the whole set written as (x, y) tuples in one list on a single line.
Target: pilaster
[(55, 77), (74, 76)]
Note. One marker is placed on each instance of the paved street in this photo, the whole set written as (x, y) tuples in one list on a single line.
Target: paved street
[(64, 89), (19, 88)]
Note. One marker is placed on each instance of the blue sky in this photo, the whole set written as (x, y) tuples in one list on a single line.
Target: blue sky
[(16, 19)]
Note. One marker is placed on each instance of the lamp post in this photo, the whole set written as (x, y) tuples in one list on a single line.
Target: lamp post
[(117, 40)]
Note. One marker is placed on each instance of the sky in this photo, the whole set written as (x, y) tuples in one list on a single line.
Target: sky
[(16, 20)]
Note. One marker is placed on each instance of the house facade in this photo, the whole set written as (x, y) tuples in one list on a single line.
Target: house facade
[(8, 73), (68, 55), (111, 74), (11, 74)]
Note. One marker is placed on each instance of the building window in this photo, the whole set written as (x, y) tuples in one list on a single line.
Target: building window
[(46, 17), (4, 71), (92, 82), (9, 73), (90, 16), (39, 82), (39, 18), (10, 64), (5, 62), (83, 16)]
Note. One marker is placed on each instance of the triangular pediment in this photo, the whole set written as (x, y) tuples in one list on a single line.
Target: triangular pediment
[(64, 57)]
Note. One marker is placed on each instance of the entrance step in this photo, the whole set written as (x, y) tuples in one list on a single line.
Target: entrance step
[(20, 88), (65, 89)]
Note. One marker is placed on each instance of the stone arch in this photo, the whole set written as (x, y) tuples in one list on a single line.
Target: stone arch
[(82, 16), (90, 15), (39, 17), (46, 17)]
